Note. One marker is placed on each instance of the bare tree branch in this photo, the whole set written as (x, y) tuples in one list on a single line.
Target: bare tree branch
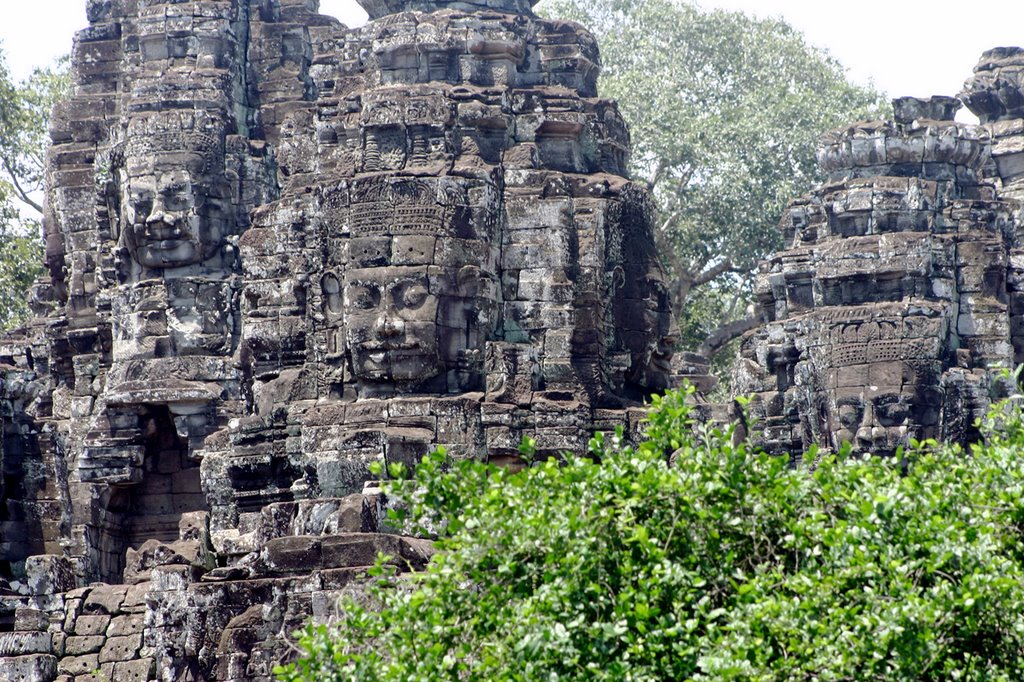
[(17, 187), (715, 271), (718, 339)]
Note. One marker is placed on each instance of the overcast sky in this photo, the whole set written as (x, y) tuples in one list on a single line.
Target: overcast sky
[(906, 47)]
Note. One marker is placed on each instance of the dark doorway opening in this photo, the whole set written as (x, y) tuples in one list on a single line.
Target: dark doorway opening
[(152, 508)]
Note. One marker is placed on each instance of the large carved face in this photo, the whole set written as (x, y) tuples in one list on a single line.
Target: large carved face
[(643, 318), (878, 418), (166, 224), (392, 323), (882, 383), (419, 327), (175, 196), (643, 321), (652, 342)]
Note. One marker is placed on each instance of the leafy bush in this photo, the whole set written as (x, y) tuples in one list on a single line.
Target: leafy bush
[(727, 565), (24, 137)]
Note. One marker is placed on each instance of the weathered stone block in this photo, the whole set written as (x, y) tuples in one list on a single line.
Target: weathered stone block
[(77, 645), (139, 670), (30, 620), (49, 574), (293, 553), (105, 599), (124, 648), (78, 665), (129, 624), (22, 643), (90, 625), (31, 668)]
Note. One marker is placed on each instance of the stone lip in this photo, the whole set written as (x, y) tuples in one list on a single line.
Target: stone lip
[(935, 108), (898, 148), (381, 8), (1000, 56)]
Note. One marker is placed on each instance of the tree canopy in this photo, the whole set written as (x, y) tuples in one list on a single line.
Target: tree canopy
[(24, 123), (726, 564), (725, 112)]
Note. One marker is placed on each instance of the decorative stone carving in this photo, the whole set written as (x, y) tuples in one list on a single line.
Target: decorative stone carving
[(280, 250), (887, 318)]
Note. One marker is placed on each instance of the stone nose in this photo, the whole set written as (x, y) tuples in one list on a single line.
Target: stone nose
[(870, 431), (871, 435), (163, 224), (389, 325), (156, 216)]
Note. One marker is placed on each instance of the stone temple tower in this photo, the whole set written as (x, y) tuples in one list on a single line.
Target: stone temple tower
[(995, 94), (888, 316), (280, 250)]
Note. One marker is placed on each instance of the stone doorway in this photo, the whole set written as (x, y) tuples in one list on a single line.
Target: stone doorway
[(152, 508)]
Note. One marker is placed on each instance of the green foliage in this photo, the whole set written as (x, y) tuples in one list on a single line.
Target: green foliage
[(728, 565), (725, 112), (24, 123), (21, 262)]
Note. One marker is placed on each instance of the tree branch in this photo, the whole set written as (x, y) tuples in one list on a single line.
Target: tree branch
[(17, 187), (714, 271), (727, 332)]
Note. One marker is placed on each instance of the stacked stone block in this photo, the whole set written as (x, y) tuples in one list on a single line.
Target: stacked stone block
[(888, 318), (994, 94), (280, 251)]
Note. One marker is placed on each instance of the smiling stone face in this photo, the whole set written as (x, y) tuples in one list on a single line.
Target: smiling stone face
[(173, 191), (880, 371), (879, 418), (166, 226), (874, 419), (392, 323)]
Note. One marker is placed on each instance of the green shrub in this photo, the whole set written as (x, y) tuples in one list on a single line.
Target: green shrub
[(729, 565)]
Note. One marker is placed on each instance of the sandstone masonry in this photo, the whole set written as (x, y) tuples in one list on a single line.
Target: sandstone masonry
[(280, 250)]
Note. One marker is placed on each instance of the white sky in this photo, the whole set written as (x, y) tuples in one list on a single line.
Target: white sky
[(907, 47)]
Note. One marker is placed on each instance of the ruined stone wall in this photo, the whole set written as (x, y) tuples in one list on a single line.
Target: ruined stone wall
[(280, 250), (897, 304), (158, 160), (474, 267)]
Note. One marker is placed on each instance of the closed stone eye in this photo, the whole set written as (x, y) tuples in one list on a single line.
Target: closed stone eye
[(890, 412), (363, 298), (412, 296), (850, 415)]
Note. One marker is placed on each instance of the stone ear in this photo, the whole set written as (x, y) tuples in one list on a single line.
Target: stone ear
[(468, 280), (618, 279)]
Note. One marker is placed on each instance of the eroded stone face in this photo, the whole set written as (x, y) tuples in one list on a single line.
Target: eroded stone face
[(887, 319), (881, 367), (392, 323), (648, 326), (173, 193), (282, 251), (164, 225)]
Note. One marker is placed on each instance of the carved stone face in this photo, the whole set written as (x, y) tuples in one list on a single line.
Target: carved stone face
[(392, 323), (645, 319), (880, 418), (168, 223), (666, 332), (882, 383)]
